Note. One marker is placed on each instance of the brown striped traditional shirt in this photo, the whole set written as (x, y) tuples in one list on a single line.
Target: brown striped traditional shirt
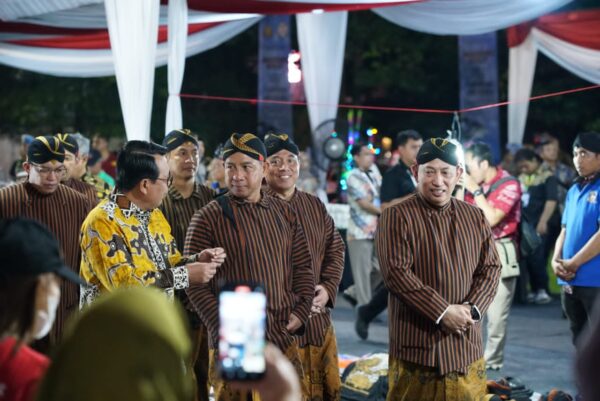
[(265, 244), (432, 258), (87, 190), (62, 212), (179, 210), (327, 254)]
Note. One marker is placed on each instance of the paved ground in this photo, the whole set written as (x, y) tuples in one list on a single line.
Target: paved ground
[(538, 350)]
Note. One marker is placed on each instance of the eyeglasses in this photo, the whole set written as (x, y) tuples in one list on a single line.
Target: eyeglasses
[(45, 171), (168, 180), (278, 162)]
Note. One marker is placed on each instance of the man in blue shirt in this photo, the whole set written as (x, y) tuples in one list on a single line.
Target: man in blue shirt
[(576, 259)]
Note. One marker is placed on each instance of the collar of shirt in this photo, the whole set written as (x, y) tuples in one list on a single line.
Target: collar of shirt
[(133, 210), (176, 195), (265, 199), (268, 190), (447, 208), (33, 192), (582, 181), (402, 165)]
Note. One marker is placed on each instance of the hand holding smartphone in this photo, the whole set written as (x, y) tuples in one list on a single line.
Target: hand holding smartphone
[(242, 331)]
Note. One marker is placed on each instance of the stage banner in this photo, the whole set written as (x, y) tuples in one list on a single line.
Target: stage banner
[(478, 70), (273, 52)]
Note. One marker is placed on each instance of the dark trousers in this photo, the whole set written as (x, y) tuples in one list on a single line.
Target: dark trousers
[(377, 304), (347, 279), (534, 266), (577, 305)]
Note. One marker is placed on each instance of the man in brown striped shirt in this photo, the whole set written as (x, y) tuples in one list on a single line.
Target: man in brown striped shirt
[(73, 164), (184, 197), (318, 346), (440, 264), (61, 209), (265, 243)]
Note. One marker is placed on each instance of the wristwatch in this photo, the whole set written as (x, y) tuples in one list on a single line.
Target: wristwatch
[(475, 315), (477, 192)]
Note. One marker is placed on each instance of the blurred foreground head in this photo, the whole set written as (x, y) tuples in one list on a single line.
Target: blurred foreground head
[(129, 345)]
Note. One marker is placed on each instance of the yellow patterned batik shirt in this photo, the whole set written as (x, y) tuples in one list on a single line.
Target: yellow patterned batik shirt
[(128, 248)]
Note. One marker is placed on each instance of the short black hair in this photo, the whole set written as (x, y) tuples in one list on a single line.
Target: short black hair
[(136, 162), (406, 135), (482, 152), (526, 154), (357, 147)]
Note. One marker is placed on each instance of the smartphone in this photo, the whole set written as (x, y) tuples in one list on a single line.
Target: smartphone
[(242, 331)]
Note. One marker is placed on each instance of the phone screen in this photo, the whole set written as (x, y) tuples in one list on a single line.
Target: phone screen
[(242, 316)]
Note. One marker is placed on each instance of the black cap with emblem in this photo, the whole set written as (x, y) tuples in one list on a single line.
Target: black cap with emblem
[(45, 148), (248, 144), (438, 148)]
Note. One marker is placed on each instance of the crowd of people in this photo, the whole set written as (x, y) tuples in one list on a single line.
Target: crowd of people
[(116, 260)]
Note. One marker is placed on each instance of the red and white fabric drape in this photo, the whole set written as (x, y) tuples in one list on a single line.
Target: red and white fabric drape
[(78, 43), (75, 43), (571, 39)]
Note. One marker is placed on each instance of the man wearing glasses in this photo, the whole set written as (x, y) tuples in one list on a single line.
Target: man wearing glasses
[(126, 240), (61, 209)]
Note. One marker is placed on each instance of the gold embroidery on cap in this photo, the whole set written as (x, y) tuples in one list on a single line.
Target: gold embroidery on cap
[(63, 138), (241, 144), (283, 137), (56, 150), (443, 143)]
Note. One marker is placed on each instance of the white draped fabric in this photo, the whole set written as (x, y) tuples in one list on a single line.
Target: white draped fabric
[(13, 9), (466, 17), (83, 63), (178, 13), (581, 61), (322, 40), (133, 30), (94, 17), (521, 69)]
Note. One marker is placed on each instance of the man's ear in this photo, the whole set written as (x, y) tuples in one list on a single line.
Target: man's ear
[(459, 171), (26, 167), (265, 167), (144, 185)]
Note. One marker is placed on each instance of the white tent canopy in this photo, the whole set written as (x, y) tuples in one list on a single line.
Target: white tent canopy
[(134, 60)]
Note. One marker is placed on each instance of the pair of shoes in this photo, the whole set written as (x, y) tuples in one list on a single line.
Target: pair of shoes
[(556, 395), (542, 297), (361, 326)]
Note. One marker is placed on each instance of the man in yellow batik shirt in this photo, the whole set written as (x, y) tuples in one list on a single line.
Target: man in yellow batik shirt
[(127, 242)]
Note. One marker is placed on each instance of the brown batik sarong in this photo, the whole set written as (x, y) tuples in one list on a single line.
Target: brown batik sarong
[(412, 382), (321, 370)]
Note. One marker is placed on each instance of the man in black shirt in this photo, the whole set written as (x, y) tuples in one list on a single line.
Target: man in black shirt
[(397, 183)]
